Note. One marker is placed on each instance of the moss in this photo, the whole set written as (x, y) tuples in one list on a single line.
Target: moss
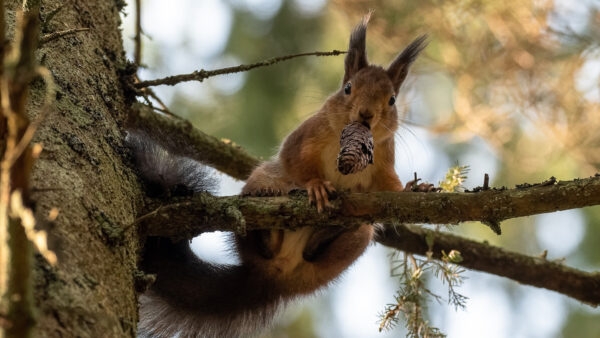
[(113, 234), (233, 214)]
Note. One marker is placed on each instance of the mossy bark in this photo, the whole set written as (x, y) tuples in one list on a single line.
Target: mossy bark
[(190, 216), (83, 172)]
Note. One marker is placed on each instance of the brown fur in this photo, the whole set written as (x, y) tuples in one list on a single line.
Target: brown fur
[(193, 298), (307, 259)]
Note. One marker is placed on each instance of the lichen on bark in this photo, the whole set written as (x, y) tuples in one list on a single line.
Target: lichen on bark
[(83, 172)]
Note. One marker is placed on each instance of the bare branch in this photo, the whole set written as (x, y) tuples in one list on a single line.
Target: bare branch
[(57, 35), (163, 107), (137, 54), (490, 205), (202, 74), (535, 271), (191, 142), (189, 217)]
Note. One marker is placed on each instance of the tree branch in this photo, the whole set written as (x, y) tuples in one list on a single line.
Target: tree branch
[(56, 35), (188, 141), (188, 217), (202, 74), (137, 54), (535, 271), (191, 216)]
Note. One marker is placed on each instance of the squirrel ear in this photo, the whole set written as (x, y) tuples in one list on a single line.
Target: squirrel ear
[(356, 59), (398, 70)]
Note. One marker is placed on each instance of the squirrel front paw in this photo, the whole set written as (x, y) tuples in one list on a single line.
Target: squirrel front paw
[(420, 187), (318, 193)]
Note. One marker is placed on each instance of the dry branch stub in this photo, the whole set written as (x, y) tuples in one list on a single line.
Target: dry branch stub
[(356, 148)]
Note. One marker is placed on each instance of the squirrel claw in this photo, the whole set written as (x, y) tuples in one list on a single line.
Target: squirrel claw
[(421, 187), (318, 193)]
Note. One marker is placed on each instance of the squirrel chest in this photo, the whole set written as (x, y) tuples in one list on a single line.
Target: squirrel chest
[(357, 182)]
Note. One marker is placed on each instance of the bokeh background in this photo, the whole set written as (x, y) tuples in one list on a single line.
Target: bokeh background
[(510, 88)]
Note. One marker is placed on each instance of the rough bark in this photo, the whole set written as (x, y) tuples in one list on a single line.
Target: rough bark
[(81, 171), (194, 215), (188, 217)]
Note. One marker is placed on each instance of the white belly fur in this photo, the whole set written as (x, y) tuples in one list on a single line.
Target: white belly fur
[(294, 242)]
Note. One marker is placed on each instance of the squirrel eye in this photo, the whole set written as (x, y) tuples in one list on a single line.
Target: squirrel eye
[(348, 88), (392, 100)]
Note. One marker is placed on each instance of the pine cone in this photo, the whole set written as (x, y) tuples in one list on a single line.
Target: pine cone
[(356, 148)]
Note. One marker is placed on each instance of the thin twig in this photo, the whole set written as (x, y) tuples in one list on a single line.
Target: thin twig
[(143, 218), (56, 35), (202, 74), (163, 107), (164, 111), (414, 262), (137, 55), (148, 92)]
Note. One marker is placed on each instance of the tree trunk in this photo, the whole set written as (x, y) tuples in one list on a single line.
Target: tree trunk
[(83, 172)]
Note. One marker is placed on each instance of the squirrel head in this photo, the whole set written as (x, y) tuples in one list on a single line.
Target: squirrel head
[(368, 92)]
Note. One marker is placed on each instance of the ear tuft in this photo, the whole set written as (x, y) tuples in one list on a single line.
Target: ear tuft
[(398, 70), (356, 59), (410, 53)]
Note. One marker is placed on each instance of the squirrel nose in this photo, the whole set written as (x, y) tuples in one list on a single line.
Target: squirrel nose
[(365, 115)]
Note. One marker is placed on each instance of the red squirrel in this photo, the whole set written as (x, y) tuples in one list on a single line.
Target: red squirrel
[(193, 298)]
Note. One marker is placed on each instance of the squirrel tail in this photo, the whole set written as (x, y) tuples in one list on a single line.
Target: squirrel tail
[(191, 297), (164, 171)]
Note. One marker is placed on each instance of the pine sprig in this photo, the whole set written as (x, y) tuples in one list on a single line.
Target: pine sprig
[(455, 177), (413, 295)]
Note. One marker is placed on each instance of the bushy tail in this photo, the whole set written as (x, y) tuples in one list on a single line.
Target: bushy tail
[(193, 298), (164, 170)]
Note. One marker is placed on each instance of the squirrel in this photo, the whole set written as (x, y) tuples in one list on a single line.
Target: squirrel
[(193, 298)]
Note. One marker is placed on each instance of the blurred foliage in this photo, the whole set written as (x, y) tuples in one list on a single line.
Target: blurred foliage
[(521, 76), (301, 326), (267, 97), (515, 70)]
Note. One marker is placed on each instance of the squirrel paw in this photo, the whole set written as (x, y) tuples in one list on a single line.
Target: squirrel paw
[(262, 192), (420, 187), (318, 193)]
